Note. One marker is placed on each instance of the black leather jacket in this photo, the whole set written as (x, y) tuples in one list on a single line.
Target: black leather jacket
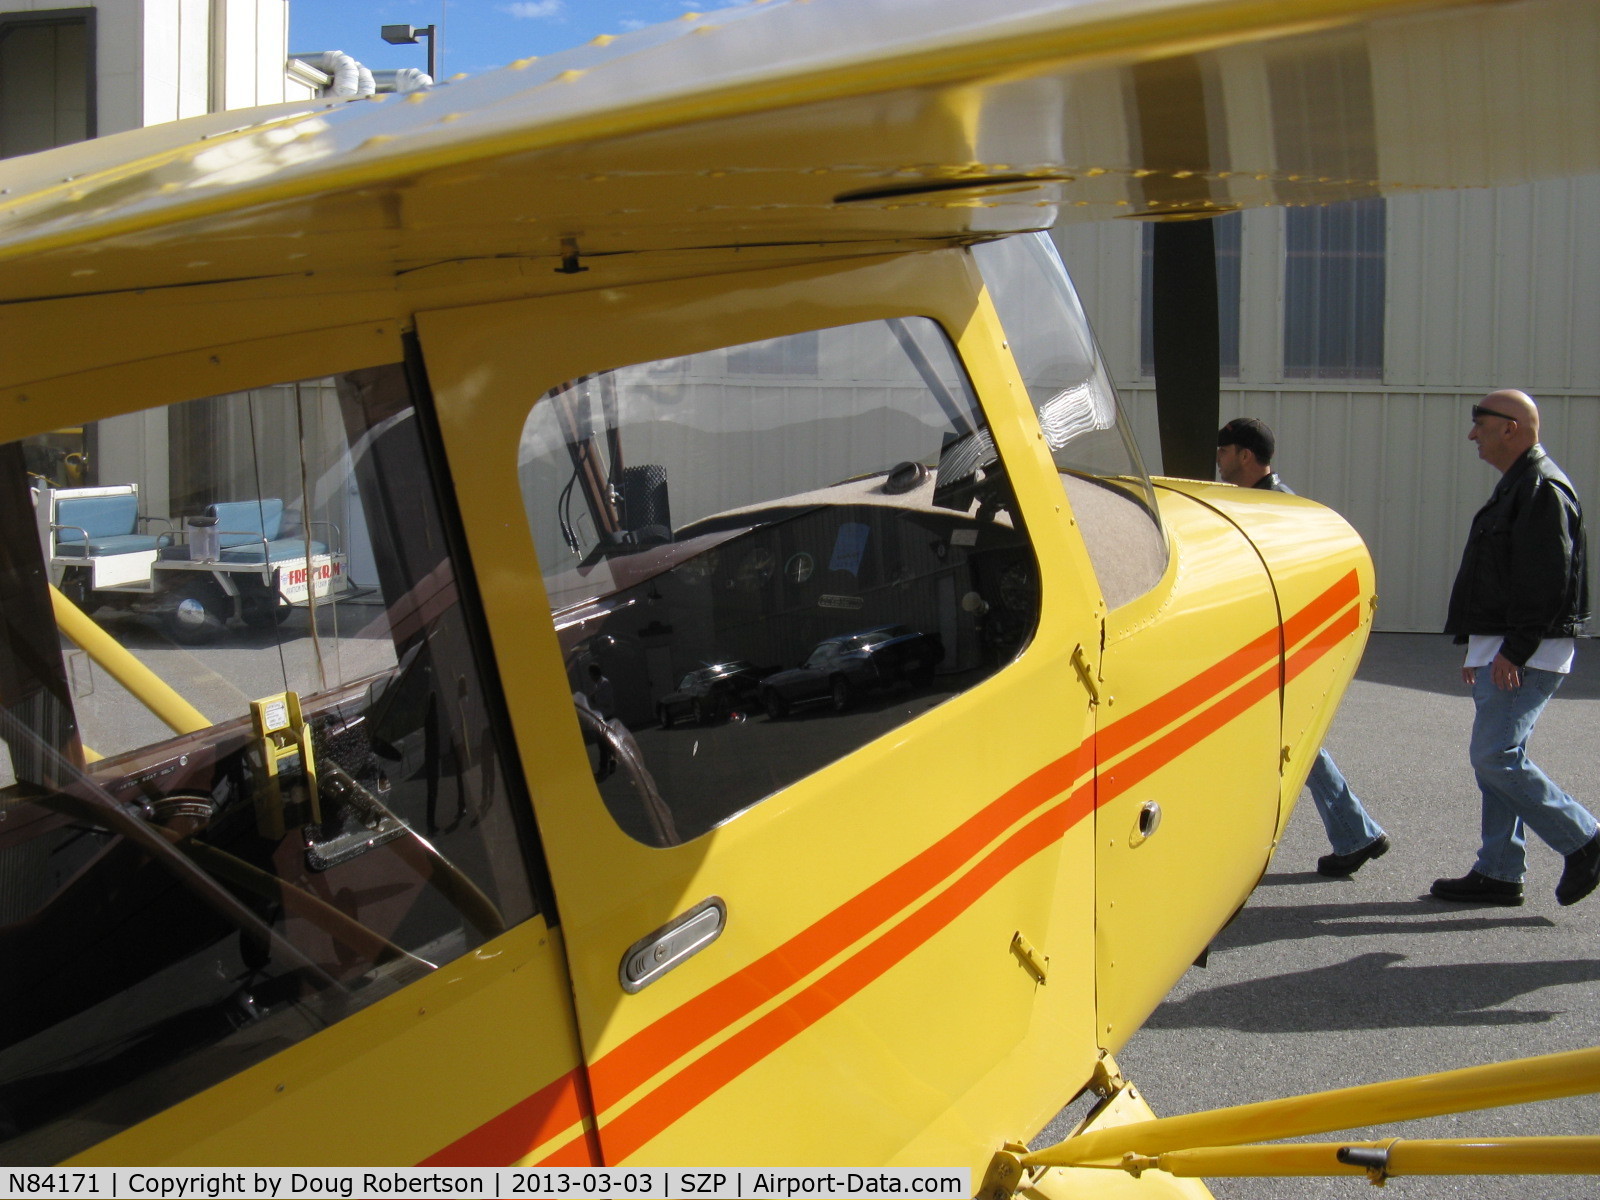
[(1523, 572)]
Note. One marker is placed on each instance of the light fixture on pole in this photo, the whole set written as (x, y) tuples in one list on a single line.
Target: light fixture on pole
[(407, 35)]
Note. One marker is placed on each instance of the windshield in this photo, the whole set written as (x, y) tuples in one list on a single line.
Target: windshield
[(1079, 416)]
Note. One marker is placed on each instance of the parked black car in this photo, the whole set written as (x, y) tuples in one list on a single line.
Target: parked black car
[(841, 667), (711, 692)]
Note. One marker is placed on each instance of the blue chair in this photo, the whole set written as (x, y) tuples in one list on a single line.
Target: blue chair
[(97, 539), (248, 532), (89, 526)]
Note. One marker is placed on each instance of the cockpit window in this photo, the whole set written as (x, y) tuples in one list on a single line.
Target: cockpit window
[(822, 518), (252, 776), (1082, 423)]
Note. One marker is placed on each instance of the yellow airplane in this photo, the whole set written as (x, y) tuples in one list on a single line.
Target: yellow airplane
[(612, 616)]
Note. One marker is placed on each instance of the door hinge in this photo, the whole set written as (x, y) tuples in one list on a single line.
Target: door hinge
[(1085, 670), (1036, 964), (1005, 1173)]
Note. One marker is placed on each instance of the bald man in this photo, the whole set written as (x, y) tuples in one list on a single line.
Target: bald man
[(1521, 595)]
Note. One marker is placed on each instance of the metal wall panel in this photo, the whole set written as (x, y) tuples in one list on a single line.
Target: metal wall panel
[(1486, 288), (1399, 467)]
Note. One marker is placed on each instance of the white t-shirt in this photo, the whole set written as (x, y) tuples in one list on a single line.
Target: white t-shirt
[(1552, 654)]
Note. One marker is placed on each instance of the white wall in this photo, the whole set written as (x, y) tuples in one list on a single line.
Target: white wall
[(1486, 288), (160, 60)]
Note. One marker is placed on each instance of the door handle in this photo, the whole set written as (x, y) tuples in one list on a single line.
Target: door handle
[(653, 956), (1149, 821)]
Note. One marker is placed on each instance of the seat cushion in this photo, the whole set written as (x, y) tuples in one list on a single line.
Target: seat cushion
[(125, 543), (240, 522), (275, 551), (99, 516)]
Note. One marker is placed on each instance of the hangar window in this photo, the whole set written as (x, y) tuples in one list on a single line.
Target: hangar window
[(269, 573), (1089, 438), (1333, 285), (751, 578)]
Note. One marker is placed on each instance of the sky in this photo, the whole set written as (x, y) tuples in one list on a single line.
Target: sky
[(475, 35)]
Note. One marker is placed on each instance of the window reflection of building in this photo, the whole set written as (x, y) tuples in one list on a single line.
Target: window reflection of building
[(809, 522), (794, 355)]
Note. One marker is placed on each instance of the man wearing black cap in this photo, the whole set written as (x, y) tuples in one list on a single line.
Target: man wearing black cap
[(1521, 595), (1245, 447)]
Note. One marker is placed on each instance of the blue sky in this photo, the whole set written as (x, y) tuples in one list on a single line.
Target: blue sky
[(476, 35)]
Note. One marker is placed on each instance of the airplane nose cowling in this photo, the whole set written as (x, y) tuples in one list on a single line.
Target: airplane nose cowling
[(1323, 581)]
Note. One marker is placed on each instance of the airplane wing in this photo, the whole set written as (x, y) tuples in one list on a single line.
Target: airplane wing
[(762, 128)]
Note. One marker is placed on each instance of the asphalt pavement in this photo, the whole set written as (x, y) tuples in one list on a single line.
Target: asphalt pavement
[(1324, 983)]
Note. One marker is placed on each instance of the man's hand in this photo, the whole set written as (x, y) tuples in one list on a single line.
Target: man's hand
[(1469, 675), (1506, 674)]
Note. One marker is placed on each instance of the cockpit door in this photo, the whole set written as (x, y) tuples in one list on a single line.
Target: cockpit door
[(826, 899)]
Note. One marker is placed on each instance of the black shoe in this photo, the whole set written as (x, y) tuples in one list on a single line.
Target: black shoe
[(1473, 888), (1335, 865), (1582, 873)]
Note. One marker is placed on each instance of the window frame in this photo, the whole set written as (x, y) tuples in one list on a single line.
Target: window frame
[(200, 745), (87, 17), (570, 336), (1317, 242)]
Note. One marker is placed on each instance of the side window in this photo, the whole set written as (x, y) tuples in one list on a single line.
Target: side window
[(1088, 435), (253, 785), (753, 577)]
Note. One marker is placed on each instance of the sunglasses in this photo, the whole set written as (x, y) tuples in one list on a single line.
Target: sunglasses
[(1479, 410)]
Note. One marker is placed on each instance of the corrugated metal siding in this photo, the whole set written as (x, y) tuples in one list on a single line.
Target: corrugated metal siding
[(1399, 467), (1488, 288)]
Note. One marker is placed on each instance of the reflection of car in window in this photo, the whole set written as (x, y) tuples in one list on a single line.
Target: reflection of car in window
[(711, 693), (841, 667), (871, 522)]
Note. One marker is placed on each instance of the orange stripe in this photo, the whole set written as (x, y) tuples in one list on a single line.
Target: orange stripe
[(1191, 733), (665, 1040), (1349, 621), (655, 1047), (1122, 735), (1185, 737), (512, 1135), (629, 1131), (1346, 591), (566, 1156)]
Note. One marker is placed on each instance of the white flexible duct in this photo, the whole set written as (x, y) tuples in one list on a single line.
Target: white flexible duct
[(350, 78), (405, 79)]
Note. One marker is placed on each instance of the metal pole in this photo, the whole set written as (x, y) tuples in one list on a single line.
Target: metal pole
[(1574, 1073), (146, 686), (1438, 1156)]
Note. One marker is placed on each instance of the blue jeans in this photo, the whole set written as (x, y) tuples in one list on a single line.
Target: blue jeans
[(1349, 828), (1515, 792)]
